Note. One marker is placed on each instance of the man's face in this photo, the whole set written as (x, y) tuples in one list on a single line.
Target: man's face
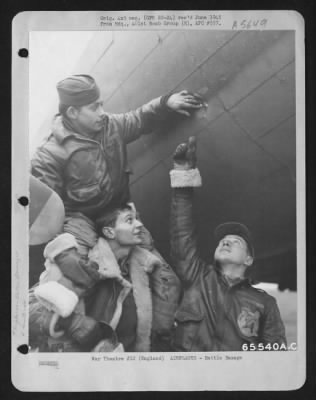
[(233, 249), (90, 118), (127, 229)]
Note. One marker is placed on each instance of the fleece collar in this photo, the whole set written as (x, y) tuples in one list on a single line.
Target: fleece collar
[(141, 262)]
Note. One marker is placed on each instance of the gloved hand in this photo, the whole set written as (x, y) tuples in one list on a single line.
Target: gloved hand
[(62, 254), (185, 173), (184, 156), (56, 297), (81, 272)]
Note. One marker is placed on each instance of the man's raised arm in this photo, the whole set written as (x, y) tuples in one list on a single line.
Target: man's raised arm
[(184, 177), (147, 118)]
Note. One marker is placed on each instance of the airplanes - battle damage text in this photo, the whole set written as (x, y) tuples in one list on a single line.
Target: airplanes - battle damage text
[(177, 357)]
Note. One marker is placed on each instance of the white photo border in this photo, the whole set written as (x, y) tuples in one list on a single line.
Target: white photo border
[(127, 371)]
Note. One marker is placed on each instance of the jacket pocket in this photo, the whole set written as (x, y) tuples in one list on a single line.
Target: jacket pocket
[(187, 327)]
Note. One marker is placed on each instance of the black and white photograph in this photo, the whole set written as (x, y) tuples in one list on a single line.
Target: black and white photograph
[(160, 156)]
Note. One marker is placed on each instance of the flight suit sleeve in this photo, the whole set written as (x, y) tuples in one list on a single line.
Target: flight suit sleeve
[(273, 330), (83, 273), (184, 250), (76, 271), (144, 119)]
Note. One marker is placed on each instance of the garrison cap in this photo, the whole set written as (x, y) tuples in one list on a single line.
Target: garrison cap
[(235, 228), (78, 90)]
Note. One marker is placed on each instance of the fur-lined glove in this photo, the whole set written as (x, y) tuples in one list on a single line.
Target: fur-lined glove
[(185, 173)]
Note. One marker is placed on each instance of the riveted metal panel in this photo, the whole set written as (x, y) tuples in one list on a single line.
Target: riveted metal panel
[(230, 143), (234, 56), (259, 70), (281, 141), (269, 104)]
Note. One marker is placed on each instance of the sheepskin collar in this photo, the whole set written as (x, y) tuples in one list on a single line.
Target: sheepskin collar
[(141, 262)]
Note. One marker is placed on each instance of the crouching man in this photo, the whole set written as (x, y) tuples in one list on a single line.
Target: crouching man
[(123, 298), (220, 310)]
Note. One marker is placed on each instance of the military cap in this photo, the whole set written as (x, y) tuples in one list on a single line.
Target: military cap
[(235, 228), (78, 90)]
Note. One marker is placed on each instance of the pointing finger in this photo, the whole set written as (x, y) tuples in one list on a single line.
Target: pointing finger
[(180, 150)]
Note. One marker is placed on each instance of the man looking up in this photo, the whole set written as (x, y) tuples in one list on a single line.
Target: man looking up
[(137, 315), (220, 310)]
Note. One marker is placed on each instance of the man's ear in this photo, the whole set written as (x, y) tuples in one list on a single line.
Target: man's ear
[(72, 112), (108, 232), (249, 261)]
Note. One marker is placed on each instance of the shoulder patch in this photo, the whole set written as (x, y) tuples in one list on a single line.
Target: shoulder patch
[(248, 322)]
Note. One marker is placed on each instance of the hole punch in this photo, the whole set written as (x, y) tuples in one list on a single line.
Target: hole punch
[(24, 201), (24, 53), (23, 349)]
